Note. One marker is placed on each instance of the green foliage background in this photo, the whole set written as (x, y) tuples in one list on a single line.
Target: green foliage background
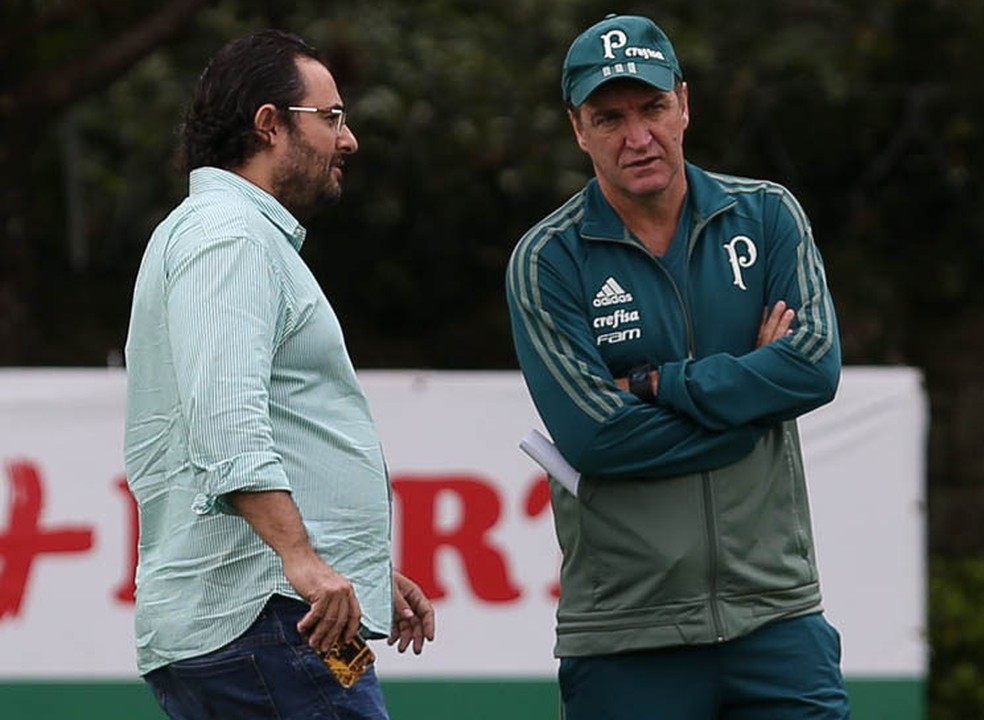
[(869, 110)]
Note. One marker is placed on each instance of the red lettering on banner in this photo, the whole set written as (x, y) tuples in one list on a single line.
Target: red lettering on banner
[(24, 540), (421, 539), (538, 496), (538, 501), (126, 591)]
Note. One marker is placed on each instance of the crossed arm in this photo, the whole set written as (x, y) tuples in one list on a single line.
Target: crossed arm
[(776, 324)]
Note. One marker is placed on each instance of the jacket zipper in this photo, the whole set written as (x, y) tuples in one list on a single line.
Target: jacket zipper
[(709, 514), (710, 517), (712, 555)]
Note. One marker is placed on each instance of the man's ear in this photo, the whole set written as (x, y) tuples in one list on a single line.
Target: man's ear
[(685, 103), (267, 122), (574, 115)]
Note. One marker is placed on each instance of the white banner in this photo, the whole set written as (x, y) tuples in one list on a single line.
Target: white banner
[(472, 522)]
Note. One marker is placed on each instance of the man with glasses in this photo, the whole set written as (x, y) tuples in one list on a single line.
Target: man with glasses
[(264, 498), (671, 325)]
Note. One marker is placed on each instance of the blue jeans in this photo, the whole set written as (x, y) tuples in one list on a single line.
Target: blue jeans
[(786, 670), (268, 673)]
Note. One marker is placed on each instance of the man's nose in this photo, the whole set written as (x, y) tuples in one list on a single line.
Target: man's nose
[(637, 132), (347, 142)]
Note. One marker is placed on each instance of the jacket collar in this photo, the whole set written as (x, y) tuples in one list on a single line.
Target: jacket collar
[(706, 195)]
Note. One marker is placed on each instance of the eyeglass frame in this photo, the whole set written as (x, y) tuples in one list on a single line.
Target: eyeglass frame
[(337, 112)]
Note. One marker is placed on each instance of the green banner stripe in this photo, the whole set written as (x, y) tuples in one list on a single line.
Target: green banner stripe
[(486, 699)]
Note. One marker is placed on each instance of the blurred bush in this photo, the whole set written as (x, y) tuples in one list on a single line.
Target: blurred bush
[(956, 633)]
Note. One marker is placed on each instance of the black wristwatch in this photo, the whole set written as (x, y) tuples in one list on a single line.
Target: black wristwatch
[(641, 383)]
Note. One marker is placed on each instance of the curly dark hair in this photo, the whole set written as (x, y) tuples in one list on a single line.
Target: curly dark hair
[(246, 73)]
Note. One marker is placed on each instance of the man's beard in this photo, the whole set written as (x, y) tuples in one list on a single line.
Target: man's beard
[(304, 183)]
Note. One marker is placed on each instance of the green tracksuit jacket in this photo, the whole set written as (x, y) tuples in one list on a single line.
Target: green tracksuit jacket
[(691, 524)]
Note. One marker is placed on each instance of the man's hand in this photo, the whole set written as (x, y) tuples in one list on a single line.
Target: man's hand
[(335, 613), (413, 615), (776, 324)]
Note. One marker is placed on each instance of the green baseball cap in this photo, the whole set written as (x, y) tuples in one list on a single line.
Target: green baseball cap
[(620, 46)]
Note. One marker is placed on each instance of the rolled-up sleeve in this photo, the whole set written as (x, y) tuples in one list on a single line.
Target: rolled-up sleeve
[(224, 308)]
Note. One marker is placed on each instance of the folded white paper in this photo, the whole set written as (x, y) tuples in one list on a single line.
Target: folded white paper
[(547, 456)]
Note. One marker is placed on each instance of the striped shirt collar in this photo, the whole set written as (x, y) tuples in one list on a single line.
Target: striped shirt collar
[(208, 179)]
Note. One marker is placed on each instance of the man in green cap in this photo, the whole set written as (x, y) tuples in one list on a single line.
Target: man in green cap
[(671, 325)]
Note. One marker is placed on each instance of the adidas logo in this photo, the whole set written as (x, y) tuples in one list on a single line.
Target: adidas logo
[(611, 293)]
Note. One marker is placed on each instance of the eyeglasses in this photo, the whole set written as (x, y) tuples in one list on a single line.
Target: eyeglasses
[(335, 113)]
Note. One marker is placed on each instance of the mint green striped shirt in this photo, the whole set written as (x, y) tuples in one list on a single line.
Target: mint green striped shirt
[(238, 379)]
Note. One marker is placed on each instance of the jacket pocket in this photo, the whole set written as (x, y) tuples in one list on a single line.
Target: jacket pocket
[(643, 542), (765, 539)]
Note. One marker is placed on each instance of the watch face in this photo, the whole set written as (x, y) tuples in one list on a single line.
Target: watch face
[(640, 383)]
